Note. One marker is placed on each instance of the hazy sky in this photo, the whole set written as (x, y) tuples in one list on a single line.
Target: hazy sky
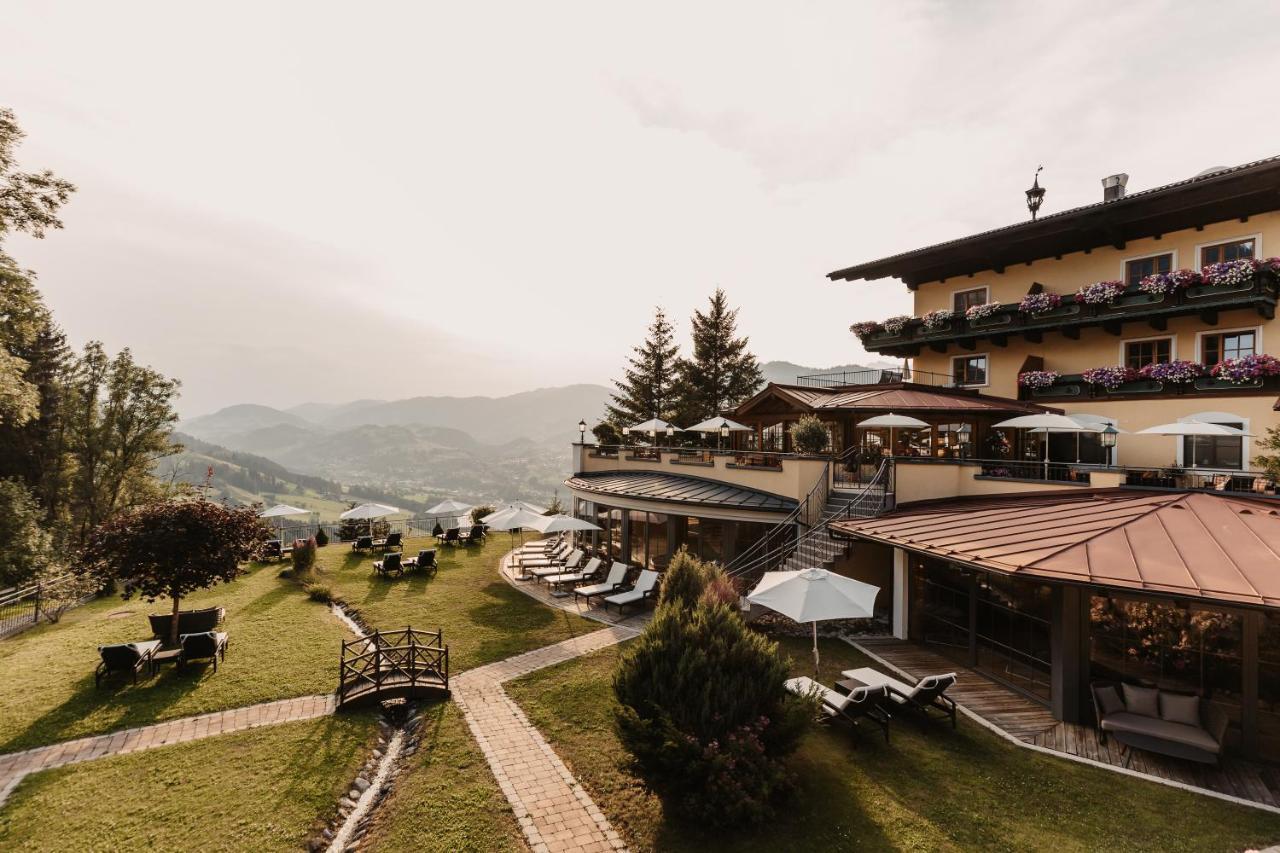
[(324, 201)]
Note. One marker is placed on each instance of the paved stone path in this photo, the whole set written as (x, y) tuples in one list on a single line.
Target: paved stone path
[(15, 765), (554, 812)]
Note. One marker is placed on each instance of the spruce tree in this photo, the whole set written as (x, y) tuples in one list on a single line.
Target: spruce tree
[(722, 371), (649, 379)]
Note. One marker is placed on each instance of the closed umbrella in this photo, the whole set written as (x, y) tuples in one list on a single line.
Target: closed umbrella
[(893, 421), (815, 595), (1195, 429)]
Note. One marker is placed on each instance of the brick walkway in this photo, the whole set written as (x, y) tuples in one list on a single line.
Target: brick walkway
[(15, 765), (554, 812)]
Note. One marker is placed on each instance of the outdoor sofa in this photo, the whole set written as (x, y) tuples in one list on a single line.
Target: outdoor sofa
[(129, 658), (927, 696), (189, 621), (862, 703), (1179, 725), (204, 645)]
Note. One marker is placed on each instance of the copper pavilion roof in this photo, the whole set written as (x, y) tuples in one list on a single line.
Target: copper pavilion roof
[(1177, 543)]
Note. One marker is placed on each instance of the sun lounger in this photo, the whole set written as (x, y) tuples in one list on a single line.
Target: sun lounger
[(542, 546), (125, 657), (392, 541), (450, 536), (928, 694), (205, 645), (560, 555), (425, 562), (271, 550), (362, 543), (570, 564), (389, 565), (862, 703), (613, 583), (587, 572), (646, 588)]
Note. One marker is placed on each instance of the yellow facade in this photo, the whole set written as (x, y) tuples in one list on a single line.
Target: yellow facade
[(1098, 348)]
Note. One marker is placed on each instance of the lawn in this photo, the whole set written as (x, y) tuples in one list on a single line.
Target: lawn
[(484, 619), (931, 788), (281, 644), (448, 800), (257, 790)]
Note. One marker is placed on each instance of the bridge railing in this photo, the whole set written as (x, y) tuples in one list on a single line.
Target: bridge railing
[(385, 660)]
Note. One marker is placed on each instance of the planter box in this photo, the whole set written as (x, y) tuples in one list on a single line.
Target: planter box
[(1130, 301), (1140, 386), (945, 329), (1062, 390), (1208, 291), (992, 321), (1211, 383), (1054, 314)]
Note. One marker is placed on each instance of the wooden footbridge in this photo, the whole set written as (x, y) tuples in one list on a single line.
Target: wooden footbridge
[(405, 664)]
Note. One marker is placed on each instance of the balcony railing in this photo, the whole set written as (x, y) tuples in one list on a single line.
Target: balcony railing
[(1259, 293), (876, 376), (1073, 386), (1250, 483), (767, 459)]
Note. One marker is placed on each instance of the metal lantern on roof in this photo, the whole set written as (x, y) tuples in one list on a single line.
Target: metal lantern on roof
[(1035, 195)]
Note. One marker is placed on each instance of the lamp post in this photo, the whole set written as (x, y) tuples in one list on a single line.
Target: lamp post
[(582, 431), (1108, 438), (1035, 195)]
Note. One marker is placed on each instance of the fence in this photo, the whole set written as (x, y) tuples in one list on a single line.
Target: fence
[(22, 608), (418, 525)]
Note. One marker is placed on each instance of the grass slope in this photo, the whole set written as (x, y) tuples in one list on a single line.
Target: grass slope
[(281, 645), (447, 799), (928, 789), (484, 619), (259, 790)]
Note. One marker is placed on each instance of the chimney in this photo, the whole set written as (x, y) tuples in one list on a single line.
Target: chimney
[(1113, 186)]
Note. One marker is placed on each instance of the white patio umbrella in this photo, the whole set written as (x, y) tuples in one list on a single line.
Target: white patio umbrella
[(282, 511), (1048, 422), (654, 426), (719, 426), (563, 524), (453, 509), (369, 511), (513, 518), (1194, 429), (893, 421), (815, 595), (525, 505), (1088, 423)]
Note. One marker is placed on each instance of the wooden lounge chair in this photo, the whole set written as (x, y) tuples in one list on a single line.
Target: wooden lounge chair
[(389, 565), (862, 703), (584, 573), (927, 695), (425, 562), (202, 646), (615, 582), (125, 657), (646, 588), (362, 543)]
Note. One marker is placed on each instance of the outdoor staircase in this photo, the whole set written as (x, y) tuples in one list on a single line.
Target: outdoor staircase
[(817, 548)]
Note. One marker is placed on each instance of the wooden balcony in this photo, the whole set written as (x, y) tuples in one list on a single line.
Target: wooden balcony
[(1259, 294), (1070, 387)]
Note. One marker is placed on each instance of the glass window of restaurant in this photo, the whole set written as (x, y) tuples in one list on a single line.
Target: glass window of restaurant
[(1269, 687), (1168, 644), (648, 540), (704, 537)]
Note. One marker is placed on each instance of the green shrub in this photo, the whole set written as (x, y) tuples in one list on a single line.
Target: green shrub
[(479, 512), (703, 709), (809, 435), (322, 538), (438, 530), (319, 592), (606, 434), (25, 547), (304, 557)]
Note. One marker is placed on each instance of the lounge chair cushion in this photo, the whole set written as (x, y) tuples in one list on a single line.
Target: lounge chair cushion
[(1109, 700), (875, 678), (1180, 708), (1142, 700), (1142, 724)]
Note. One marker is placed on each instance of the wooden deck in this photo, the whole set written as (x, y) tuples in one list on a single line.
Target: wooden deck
[(1031, 722)]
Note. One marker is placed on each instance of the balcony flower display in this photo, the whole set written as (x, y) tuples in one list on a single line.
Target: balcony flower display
[(1272, 264), (1184, 278), (1241, 370), (1177, 372), (1036, 379), (935, 320), (1038, 303), (1100, 292), (895, 325), (1230, 273), (979, 312), (1110, 378), (864, 328)]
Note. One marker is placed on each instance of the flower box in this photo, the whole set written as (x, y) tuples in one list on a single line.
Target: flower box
[(1213, 383), (1061, 311), (1140, 386), (1072, 389), (1206, 291), (990, 321), (1133, 300)]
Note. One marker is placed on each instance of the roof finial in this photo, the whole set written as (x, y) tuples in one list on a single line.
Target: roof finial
[(1035, 195)]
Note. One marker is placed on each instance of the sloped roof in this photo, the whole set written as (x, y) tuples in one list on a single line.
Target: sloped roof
[(676, 488), (1179, 543), (899, 397)]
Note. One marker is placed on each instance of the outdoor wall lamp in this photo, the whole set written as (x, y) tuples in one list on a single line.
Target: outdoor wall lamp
[(1035, 195), (1108, 436), (724, 429)]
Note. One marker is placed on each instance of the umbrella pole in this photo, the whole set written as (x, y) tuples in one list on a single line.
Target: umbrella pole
[(816, 673)]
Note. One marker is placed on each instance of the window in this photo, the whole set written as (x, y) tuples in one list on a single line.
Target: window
[(1233, 250), (1214, 451), (1222, 345), (1138, 354), (966, 299), (969, 369), (1136, 271)]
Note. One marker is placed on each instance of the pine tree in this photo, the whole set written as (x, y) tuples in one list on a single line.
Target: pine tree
[(722, 372), (646, 390)]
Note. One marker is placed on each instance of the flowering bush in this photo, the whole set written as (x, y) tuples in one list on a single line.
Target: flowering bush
[(1247, 369), (978, 312), (1038, 378), (895, 325), (1174, 371), (1100, 292), (864, 328), (1035, 303), (937, 319), (1110, 378), (1230, 273)]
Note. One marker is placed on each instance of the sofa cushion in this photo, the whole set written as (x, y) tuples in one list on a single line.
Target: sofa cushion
[(1180, 708), (1109, 700), (1142, 700), (1138, 724)]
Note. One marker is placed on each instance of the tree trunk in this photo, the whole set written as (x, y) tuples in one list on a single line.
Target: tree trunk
[(173, 626)]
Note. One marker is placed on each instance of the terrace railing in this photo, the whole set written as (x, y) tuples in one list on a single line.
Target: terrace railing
[(1243, 483), (876, 376)]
